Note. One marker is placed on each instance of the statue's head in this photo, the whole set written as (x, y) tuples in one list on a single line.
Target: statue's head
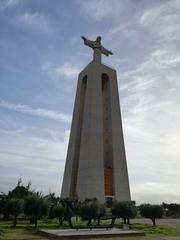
[(98, 39)]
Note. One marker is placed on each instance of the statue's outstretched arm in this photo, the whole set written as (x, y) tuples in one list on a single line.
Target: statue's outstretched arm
[(106, 51), (88, 42), (97, 45)]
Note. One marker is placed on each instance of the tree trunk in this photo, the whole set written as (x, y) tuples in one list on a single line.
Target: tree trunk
[(15, 221), (128, 220), (98, 221), (6, 216), (60, 222), (113, 222), (154, 222), (70, 223), (35, 221), (89, 223)]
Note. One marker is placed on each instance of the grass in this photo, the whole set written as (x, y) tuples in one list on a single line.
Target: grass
[(23, 234), (158, 230), (20, 234), (25, 231)]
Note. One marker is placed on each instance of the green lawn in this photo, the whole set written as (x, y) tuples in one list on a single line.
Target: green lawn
[(23, 234), (158, 230), (24, 231), (20, 234)]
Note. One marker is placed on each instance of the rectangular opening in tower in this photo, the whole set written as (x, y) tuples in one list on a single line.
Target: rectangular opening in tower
[(107, 136), (80, 114)]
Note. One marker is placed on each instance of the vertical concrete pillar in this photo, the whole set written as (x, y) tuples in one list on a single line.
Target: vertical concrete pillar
[(96, 152)]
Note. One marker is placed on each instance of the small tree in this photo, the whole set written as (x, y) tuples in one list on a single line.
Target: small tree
[(13, 207), (20, 191), (3, 202), (171, 209), (124, 210), (36, 207), (52, 201), (75, 207), (101, 212), (151, 211), (58, 212), (89, 210), (67, 204)]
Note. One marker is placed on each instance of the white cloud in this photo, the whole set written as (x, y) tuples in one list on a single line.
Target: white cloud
[(161, 66), (144, 37), (37, 153), (43, 184), (34, 21), (162, 20), (33, 158), (99, 9), (155, 192), (151, 126), (67, 70), (44, 113), (4, 4)]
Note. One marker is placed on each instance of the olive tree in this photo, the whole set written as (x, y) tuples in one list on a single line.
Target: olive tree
[(35, 206), (152, 212), (67, 204), (101, 212), (13, 207), (124, 210), (89, 210), (58, 212)]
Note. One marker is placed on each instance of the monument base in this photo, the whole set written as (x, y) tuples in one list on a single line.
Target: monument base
[(87, 233)]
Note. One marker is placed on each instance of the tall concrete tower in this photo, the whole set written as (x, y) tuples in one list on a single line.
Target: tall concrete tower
[(96, 160)]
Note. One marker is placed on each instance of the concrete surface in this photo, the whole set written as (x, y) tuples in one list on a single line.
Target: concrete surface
[(83, 233)]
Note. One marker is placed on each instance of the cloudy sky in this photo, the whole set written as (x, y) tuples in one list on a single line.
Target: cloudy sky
[(41, 54)]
